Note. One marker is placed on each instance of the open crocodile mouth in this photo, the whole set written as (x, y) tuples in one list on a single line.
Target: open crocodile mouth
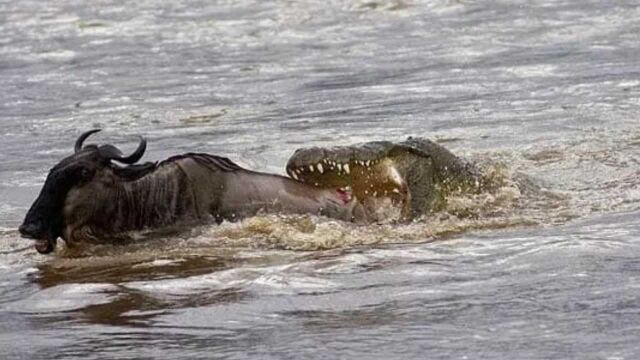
[(365, 171), (415, 175)]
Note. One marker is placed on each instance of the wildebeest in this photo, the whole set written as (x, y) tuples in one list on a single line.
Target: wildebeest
[(90, 197)]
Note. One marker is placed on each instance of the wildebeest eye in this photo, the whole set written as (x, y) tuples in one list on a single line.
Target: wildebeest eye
[(86, 173)]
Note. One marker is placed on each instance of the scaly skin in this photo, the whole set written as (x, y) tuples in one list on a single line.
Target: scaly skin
[(415, 175)]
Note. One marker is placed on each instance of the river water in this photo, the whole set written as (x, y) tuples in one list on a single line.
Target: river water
[(544, 93)]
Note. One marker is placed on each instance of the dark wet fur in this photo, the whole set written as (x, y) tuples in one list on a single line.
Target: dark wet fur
[(162, 197), (213, 162)]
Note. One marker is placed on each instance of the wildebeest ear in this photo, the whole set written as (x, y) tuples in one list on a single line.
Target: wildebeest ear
[(134, 172)]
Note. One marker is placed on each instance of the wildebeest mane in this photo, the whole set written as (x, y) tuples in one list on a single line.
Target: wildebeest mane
[(212, 162)]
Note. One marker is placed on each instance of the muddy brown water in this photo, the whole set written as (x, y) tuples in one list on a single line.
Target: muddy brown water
[(545, 94)]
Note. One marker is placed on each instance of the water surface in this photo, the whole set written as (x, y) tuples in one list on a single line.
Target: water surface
[(545, 94)]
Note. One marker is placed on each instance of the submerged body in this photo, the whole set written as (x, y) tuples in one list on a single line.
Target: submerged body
[(87, 197)]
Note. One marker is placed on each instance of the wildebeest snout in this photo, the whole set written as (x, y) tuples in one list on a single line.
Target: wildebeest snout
[(32, 230)]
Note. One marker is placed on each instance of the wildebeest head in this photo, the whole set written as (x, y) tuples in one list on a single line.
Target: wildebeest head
[(45, 220)]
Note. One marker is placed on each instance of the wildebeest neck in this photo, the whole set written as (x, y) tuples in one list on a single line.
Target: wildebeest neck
[(97, 212)]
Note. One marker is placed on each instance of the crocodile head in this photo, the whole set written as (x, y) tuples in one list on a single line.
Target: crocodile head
[(411, 177)]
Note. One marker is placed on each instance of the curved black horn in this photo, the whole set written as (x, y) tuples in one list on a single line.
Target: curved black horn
[(109, 151), (113, 153), (82, 138)]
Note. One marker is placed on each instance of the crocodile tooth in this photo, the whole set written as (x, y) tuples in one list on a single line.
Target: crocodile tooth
[(320, 168), (311, 168), (346, 168)]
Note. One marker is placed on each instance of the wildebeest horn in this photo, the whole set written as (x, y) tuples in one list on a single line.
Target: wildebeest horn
[(82, 138), (113, 153)]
